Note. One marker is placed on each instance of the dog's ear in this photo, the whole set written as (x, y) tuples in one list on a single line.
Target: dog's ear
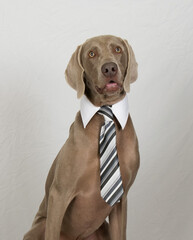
[(74, 72), (131, 72)]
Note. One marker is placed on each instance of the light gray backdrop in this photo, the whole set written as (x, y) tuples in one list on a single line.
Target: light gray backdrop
[(37, 106)]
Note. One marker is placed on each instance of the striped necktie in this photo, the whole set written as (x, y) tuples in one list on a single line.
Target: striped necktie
[(110, 175)]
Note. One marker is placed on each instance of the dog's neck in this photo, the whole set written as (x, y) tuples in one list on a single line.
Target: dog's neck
[(101, 100)]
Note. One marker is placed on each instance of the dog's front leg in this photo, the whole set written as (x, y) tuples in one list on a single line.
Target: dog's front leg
[(58, 202), (118, 220)]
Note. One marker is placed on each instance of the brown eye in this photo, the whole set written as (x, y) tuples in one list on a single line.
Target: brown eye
[(91, 54), (118, 50)]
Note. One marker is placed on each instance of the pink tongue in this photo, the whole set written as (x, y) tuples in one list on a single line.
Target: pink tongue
[(111, 85)]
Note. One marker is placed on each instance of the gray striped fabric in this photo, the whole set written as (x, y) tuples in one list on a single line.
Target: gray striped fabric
[(110, 175)]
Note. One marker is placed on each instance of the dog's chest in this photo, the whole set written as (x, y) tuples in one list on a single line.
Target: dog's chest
[(88, 204), (87, 143)]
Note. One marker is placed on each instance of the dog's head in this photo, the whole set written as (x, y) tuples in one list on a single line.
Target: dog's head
[(102, 68)]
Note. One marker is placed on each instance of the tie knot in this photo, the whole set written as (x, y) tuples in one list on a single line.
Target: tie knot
[(106, 111)]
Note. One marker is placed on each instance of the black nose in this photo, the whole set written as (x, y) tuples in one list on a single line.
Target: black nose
[(109, 69)]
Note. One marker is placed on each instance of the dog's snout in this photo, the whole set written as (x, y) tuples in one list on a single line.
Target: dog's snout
[(109, 69)]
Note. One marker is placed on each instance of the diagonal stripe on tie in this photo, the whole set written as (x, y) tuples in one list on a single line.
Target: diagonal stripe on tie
[(112, 163), (108, 138), (106, 144), (107, 153), (110, 175), (107, 177), (109, 184), (116, 196), (104, 110), (108, 130), (111, 191), (105, 128), (107, 160)]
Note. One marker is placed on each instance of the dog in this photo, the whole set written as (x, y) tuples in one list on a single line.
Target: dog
[(101, 71)]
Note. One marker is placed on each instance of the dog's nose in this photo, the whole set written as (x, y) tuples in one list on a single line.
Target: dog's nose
[(109, 69)]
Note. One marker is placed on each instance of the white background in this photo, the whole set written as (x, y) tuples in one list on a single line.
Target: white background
[(37, 106)]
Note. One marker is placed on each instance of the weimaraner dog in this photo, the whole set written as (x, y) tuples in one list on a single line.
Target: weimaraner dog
[(101, 69)]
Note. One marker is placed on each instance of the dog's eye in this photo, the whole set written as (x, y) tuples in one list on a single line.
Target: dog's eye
[(118, 50), (91, 54)]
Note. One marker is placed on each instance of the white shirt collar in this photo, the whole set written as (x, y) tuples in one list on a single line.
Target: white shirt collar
[(120, 110)]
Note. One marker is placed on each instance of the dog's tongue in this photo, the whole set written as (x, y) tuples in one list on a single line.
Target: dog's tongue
[(111, 86)]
